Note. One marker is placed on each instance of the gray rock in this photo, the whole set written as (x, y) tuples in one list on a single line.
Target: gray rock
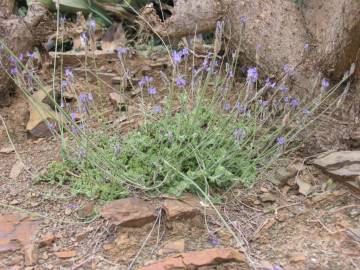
[(342, 163)]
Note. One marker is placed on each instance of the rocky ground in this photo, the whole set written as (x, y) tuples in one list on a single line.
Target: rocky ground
[(296, 221)]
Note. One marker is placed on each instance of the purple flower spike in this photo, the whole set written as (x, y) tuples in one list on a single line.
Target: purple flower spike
[(14, 70), (240, 108), (231, 74), (270, 82), (176, 56), (288, 69), (73, 116), (214, 240), (227, 106), (86, 98), (31, 55), (157, 109), (117, 150), (277, 267), (68, 73), (51, 126), (325, 84), (252, 75), (146, 80), (181, 83), (239, 134), (306, 111), (294, 103), (281, 140), (283, 89), (264, 103), (12, 60), (122, 51), (84, 39), (185, 52), (152, 90), (92, 25)]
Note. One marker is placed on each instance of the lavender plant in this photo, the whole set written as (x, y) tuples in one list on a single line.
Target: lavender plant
[(209, 135)]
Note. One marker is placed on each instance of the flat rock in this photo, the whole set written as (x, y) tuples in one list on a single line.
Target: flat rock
[(7, 150), (172, 247), (37, 124), (196, 259), (129, 212), (181, 209), (268, 197), (342, 163), (45, 95), (117, 101), (65, 254), (283, 174), (16, 169), (304, 187), (18, 231), (47, 240), (75, 58)]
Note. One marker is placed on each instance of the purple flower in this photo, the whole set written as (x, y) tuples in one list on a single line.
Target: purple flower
[(31, 55), (185, 52), (50, 126), (281, 140), (277, 267), (86, 98), (157, 109), (306, 111), (283, 89), (73, 206), (214, 240), (73, 116), (76, 129), (82, 153), (14, 70), (84, 39), (117, 150), (306, 46), (240, 108), (180, 82), (122, 51), (286, 99), (21, 56), (230, 74), (12, 59), (227, 106), (68, 73), (92, 25), (288, 69), (325, 84), (252, 75), (176, 56), (294, 103), (243, 19), (270, 82), (62, 20), (239, 134), (152, 90), (264, 103), (145, 80)]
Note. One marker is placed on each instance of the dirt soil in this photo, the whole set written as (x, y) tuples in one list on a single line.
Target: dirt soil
[(279, 226)]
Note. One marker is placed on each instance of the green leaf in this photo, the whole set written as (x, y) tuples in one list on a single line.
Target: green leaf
[(73, 6)]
